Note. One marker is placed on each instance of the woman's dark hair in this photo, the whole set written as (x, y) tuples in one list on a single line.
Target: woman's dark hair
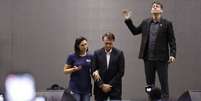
[(77, 43)]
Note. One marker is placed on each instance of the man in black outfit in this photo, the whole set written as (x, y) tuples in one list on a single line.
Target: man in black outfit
[(108, 71), (158, 46)]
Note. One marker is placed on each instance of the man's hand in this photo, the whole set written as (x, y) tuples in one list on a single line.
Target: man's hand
[(96, 75), (106, 88), (126, 14), (172, 59)]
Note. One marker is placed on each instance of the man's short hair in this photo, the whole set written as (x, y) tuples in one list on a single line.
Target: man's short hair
[(158, 3), (109, 35)]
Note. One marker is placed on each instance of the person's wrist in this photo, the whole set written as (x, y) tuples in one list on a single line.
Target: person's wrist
[(74, 69)]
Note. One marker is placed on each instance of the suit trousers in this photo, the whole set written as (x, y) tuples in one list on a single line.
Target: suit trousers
[(161, 68)]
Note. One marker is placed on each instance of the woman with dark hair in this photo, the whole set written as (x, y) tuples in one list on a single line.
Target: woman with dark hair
[(79, 65)]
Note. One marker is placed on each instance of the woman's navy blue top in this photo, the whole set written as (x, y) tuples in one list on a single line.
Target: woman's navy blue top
[(80, 81)]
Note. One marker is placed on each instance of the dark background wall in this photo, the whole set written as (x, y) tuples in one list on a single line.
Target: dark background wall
[(37, 35)]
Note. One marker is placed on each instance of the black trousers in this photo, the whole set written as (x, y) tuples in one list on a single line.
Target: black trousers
[(161, 68)]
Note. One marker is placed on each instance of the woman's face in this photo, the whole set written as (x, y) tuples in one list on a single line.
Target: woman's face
[(83, 46)]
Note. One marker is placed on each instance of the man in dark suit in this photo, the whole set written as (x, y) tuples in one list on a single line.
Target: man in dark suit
[(108, 71), (158, 46)]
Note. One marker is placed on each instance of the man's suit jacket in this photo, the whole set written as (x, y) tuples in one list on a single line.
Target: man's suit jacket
[(114, 73), (165, 41)]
